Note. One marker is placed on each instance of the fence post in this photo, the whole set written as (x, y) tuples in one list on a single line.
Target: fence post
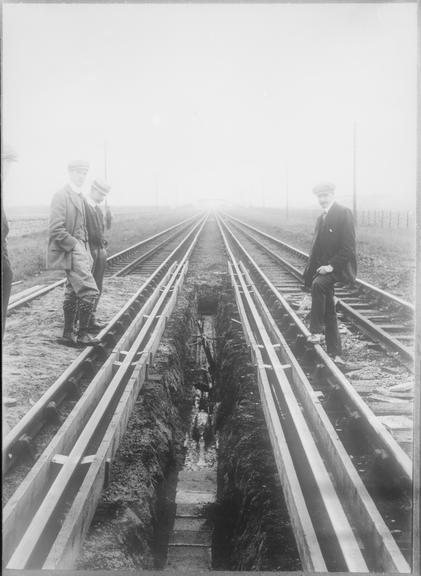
[(399, 215), (390, 218), (382, 219), (407, 219)]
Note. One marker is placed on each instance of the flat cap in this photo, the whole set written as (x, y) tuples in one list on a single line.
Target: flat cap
[(78, 165), (101, 186), (8, 153), (324, 187)]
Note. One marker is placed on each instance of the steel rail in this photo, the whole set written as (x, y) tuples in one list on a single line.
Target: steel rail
[(23, 504), (108, 335), (359, 505), (17, 302), (379, 435), (305, 533), (369, 327), (110, 395), (363, 283), (147, 255), (77, 521), (293, 450)]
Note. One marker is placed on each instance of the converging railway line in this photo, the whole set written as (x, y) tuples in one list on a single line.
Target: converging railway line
[(342, 445), (140, 258), (306, 372), (395, 414), (385, 317)]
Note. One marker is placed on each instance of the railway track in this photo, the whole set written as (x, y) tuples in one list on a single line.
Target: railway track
[(337, 459), (142, 257), (20, 441), (386, 318), (45, 520), (389, 412), (352, 441)]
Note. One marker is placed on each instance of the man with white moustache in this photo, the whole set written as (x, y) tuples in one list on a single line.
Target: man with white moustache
[(332, 259), (68, 250)]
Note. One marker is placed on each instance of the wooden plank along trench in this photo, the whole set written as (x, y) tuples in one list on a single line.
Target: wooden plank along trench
[(45, 521), (31, 418), (351, 524), (374, 427)]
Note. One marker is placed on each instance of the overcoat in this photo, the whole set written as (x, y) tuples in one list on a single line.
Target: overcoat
[(67, 225), (334, 244)]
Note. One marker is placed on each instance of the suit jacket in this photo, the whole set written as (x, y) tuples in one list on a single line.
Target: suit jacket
[(95, 225), (334, 244), (4, 231), (66, 226)]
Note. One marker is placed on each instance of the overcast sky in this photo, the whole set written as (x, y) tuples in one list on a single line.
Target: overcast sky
[(199, 101)]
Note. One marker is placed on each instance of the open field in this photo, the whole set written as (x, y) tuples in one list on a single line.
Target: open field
[(386, 256), (27, 251)]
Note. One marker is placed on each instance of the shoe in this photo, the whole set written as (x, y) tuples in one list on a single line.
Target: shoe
[(67, 340), (315, 338), (95, 326), (347, 366), (85, 339), (9, 401), (340, 363)]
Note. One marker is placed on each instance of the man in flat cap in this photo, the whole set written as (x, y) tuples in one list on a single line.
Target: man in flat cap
[(96, 223), (68, 250), (332, 259), (8, 155)]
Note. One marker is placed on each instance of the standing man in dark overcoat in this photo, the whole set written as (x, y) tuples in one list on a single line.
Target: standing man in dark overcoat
[(7, 156), (68, 250), (332, 259), (96, 223)]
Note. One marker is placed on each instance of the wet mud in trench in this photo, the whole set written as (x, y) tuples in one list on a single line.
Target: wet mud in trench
[(194, 483)]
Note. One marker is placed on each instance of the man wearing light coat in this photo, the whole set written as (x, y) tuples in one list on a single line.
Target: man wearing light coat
[(68, 250)]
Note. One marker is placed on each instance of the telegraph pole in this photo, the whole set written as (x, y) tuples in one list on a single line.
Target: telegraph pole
[(354, 173), (105, 160), (286, 190)]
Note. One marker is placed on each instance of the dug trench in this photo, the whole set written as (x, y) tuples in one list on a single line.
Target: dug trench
[(198, 416)]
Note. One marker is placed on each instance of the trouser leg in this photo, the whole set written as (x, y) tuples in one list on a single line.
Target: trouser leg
[(70, 311), (321, 291), (6, 286), (7, 277), (81, 289), (333, 339), (99, 256), (99, 266), (318, 305), (86, 308)]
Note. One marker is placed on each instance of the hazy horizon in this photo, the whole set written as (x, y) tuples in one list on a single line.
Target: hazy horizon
[(181, 103)]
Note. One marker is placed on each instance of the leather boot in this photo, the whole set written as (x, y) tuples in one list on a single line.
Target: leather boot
[(85, 312), (70, 313), (94, 325)]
